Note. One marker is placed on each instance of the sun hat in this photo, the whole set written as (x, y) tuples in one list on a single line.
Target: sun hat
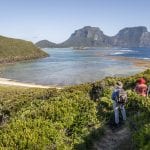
[(119, 84), (141, 81)]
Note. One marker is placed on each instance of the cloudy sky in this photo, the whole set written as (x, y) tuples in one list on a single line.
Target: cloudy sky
[(55, 20)]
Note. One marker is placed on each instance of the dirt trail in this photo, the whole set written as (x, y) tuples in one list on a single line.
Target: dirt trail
[(118, 139)]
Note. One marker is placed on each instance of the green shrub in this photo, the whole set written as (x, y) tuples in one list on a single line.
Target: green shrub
[(68, 118)]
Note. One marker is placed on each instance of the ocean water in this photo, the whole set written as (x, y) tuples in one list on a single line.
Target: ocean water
[(139, 53), (66, 66)]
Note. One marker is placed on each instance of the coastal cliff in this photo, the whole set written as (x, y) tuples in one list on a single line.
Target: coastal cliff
[(94, 37)]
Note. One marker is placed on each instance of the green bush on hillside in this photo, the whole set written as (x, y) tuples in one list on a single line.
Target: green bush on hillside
[(68, 118), (73, 115), (12, 50)]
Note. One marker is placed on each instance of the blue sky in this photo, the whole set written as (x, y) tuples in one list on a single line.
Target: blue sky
[(55, 20)]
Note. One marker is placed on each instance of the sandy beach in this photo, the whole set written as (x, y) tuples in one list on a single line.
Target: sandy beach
[(8, 82)]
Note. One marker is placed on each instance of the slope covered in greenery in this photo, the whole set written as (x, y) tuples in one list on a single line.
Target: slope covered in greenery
[(68, 118), (12, 50)]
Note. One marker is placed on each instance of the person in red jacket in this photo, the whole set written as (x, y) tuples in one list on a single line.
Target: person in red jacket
[(141, 87)]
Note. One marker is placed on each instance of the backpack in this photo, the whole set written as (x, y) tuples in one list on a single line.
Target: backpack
[(96, 92), (121, 96)]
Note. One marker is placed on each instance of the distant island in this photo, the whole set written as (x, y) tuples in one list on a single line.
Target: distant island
[(93, 37), (12, 50)]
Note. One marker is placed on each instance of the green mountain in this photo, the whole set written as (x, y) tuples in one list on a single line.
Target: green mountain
[(45, 44), (12, 50)]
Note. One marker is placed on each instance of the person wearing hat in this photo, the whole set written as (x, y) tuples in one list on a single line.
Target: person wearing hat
[(141, 87), (117, 105)]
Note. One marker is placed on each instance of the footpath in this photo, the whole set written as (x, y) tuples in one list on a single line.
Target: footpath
[(118, 139)]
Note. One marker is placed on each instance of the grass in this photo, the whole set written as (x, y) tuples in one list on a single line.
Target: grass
[(12, 50)]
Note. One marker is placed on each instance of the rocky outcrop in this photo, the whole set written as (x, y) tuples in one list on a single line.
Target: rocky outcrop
[(88, 37), (145, 40), (94, 37), (129, 37)]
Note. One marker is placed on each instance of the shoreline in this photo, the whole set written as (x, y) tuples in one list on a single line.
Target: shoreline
[(137, 62), (145, 64), (9, 82)]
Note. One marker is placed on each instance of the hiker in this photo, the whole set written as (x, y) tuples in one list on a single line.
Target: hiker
[(119, 98), (95, 92), (141, 87)]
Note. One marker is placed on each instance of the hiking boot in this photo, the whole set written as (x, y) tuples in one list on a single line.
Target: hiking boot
[(123, 123), (115, 126)]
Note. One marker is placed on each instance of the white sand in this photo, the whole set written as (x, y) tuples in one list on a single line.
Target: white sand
[(8, 82)]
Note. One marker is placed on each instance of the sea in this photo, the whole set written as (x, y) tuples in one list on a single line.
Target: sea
[(68, 66)]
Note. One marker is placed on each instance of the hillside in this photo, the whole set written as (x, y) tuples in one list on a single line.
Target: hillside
[(12, 50), (69, 119), (45, 44), (94, 37)]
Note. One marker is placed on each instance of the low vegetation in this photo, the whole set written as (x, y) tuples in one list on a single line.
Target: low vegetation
[(68, 118), (12, 50)]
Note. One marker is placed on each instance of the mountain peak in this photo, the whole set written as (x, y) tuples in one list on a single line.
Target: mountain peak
[(87, 32), (87, 36), (129, 36), (93, 37), (139, 29)]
